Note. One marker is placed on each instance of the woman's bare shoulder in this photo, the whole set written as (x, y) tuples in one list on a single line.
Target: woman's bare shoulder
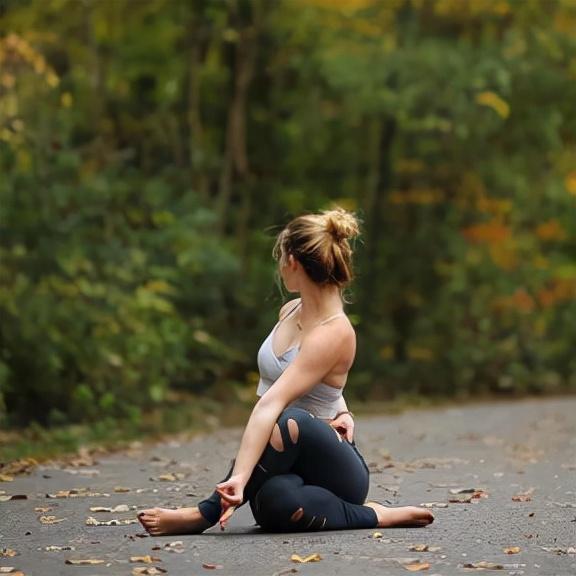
[(287, 307)]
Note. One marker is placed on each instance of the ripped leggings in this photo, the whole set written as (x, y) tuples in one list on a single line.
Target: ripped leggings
[(318, 482)]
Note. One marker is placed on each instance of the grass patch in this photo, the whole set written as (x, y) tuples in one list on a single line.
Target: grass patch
[(185, 418), (189, 416)]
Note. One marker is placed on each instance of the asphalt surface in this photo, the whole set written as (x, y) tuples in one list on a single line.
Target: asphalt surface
[(518, 458)]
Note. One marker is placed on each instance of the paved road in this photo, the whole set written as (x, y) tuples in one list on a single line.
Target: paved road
[(520, 458)]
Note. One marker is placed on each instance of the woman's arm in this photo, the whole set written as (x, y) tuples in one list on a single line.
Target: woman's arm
[(319, 353)]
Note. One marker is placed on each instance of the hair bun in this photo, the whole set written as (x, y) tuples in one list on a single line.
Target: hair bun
[(341, 224)]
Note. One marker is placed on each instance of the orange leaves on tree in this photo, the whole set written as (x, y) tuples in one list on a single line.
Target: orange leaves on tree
[(492, 232), (559, 290), (520, 301), (551, 230)]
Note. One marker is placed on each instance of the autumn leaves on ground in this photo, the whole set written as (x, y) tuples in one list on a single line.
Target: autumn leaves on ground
[(498, 476)]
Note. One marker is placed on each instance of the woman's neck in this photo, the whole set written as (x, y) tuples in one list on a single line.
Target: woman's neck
[(319, 303)]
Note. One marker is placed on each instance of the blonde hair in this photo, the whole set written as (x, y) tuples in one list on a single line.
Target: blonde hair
[(320, 242)]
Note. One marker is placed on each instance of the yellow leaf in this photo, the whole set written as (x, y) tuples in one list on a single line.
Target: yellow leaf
[(145, 559), (512, 550), (312, 558), (492, 100), (66, 100), (85, 562), (417, 567), (7, 553), (570, 183)]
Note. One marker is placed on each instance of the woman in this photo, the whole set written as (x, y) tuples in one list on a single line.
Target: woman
[(298, 464)]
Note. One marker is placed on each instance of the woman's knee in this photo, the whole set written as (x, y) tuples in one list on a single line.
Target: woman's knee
[(292, 420)]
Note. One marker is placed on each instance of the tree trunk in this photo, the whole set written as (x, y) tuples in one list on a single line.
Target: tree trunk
[(236, 166)]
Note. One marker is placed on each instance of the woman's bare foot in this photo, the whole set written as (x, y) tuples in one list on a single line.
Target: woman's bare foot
[(403, 516), (161, 521)]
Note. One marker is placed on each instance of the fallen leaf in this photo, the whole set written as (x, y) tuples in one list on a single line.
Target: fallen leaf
[(417, 566), (8, 553), (43, 508), (170, 477), (512, 550), (11, 570), (483, 565), (523, 496), (85, 562), (210, 566), (151, 571), (424, 548), (91, 521), (377, 535), (560, 551), (50, 520), (460, 499), (312, 558), (121, 489), (434, 505), (119, 508), (5, 498), (418, 548), (145, 559), (22, 466), (58, 548), (75, 493), (6, 478)]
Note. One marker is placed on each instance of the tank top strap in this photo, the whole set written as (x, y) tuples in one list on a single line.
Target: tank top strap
[(332, 317), (291, 310)]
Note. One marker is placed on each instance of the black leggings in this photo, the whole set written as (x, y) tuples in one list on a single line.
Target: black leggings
[(321, 473)]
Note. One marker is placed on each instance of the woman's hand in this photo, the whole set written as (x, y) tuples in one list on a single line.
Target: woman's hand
[(232, 494), (344, 425)]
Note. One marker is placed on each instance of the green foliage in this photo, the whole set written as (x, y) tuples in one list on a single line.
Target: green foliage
[(150, 150)]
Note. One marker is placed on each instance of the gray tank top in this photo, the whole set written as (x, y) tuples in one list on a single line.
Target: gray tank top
[(322, 400)]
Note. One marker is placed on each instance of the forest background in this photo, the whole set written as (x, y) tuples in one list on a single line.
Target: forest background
[(150, 150)]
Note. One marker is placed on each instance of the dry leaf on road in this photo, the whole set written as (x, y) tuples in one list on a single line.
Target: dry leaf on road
[(119, 508), (417, 566), (148, 571), (145, 559), (512, 550), (424, 548), (434, 505), (8, 553), (312, 558), (85, 562), (483, 565), (523, 496), (91, 521), (50, 520)]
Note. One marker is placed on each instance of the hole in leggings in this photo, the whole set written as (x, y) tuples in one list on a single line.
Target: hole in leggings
[(297, 515), (293, 430), (276, 439)]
